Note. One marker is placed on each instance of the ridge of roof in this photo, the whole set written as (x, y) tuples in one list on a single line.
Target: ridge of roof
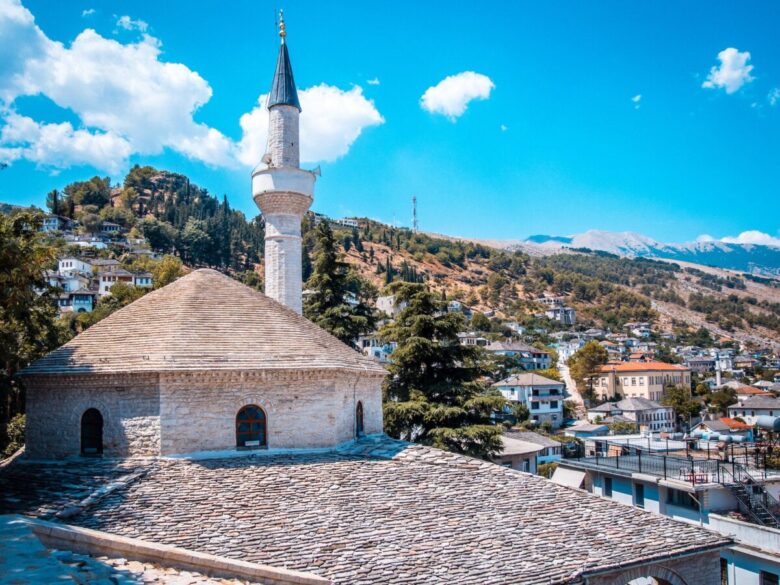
[(203, 321)]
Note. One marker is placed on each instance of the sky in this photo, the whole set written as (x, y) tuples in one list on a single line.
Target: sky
[(505, 119)]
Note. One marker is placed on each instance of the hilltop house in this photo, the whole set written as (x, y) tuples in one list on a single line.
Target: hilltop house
[(531, 358)]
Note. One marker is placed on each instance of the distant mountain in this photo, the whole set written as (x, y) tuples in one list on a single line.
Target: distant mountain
[(751, 258)]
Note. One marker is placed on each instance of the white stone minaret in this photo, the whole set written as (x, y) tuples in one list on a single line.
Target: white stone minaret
[(281, 189)]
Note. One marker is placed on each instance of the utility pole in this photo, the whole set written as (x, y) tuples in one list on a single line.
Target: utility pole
[(414, 214)]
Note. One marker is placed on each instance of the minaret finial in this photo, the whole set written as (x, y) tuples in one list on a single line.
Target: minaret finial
[(282, 32)]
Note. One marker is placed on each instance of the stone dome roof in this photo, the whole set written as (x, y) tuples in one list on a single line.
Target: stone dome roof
[(203, 321)]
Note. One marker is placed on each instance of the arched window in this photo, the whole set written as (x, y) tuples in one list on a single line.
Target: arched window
[(250, 427), (91, 432), (359, 419)]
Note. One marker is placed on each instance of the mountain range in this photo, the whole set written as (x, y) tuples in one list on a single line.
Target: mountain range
[(751, 258)]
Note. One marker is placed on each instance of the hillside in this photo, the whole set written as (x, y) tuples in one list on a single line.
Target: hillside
[(607, 290)]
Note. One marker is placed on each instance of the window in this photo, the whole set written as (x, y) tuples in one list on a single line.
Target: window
[(681, 499), (608, 487), (251, 427), (639, 495), (767, 578), (724, 571), (359, 419), (553, 404), (92, 432)]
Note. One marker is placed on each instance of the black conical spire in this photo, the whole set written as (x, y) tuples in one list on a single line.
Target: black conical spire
[(283, 90)]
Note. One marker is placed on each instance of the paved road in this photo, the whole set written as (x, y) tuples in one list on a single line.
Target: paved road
[(571, 388)]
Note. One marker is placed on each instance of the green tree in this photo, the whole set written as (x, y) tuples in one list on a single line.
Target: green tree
[(28, 314), (433, 395), (623, 428), (584, 362), (160, 235), (520, 411), (479, 322), (720, 400), (196, 242), (168, 269), (95, 191), (680, 400), (332, 286)]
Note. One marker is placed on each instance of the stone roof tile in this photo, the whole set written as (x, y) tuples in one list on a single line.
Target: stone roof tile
[(381, 512), (203, 321)]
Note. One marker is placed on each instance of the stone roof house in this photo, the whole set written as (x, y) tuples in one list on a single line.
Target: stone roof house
[(171, 372)]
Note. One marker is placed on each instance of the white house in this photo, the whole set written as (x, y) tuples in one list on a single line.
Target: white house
[(73, 265), (531, 358), (542, 396), (646, 414), (552, 449), (749, 410)]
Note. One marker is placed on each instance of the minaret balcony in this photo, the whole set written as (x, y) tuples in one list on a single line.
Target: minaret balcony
[(284, 180)]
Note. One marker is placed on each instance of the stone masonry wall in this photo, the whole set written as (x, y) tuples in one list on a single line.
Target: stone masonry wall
[(283, 136), (129, 406), (283, 268), (701, 569), (303, 409)]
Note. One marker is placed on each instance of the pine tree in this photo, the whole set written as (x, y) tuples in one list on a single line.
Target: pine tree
[(433, 395), (333, 285)]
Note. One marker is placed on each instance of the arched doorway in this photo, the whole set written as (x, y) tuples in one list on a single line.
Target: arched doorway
[(359, 419), (92, 432), (251, 427)]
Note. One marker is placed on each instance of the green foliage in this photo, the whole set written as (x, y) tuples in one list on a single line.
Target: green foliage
[(520, 411), (552, 373), (95, 191), (680, 400), (166, 270), (13, 434), (433, 394), (547, 469), (623, 428), (734, 311), (721, 399), (569, 409), (584, 362), (28, 315), (332, 283)]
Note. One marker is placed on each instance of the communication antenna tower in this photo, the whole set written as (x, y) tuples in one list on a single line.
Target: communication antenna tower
[(414, 213)]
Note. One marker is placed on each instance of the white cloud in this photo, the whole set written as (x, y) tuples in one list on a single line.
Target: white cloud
[(752, 237), (88, 12), (128, 101), (732, 73), (331, 120), (705, 238), (637, 99), (451, 96), (128, 23), (374, 81), (60, 146), (774, 96), (504, 128), (126, 98)]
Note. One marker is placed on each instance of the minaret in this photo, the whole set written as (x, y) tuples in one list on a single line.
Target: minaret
[(281, 189)]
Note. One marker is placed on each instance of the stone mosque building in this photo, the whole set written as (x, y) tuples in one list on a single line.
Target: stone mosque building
[(211, 417)]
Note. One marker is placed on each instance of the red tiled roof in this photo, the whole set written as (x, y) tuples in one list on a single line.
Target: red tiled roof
[(734, 424), (752, 391), (641, 367)]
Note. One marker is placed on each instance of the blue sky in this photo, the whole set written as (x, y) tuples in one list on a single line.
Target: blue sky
[(555, 141)]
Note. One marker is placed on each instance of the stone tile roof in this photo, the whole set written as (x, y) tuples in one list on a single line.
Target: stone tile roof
[(637, 403), (512, 446), (382, 512), (763, 402), (203, 321), (528, 379), (533, 437)]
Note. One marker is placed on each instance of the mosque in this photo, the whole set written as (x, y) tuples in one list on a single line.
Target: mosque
[(226, 423)]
